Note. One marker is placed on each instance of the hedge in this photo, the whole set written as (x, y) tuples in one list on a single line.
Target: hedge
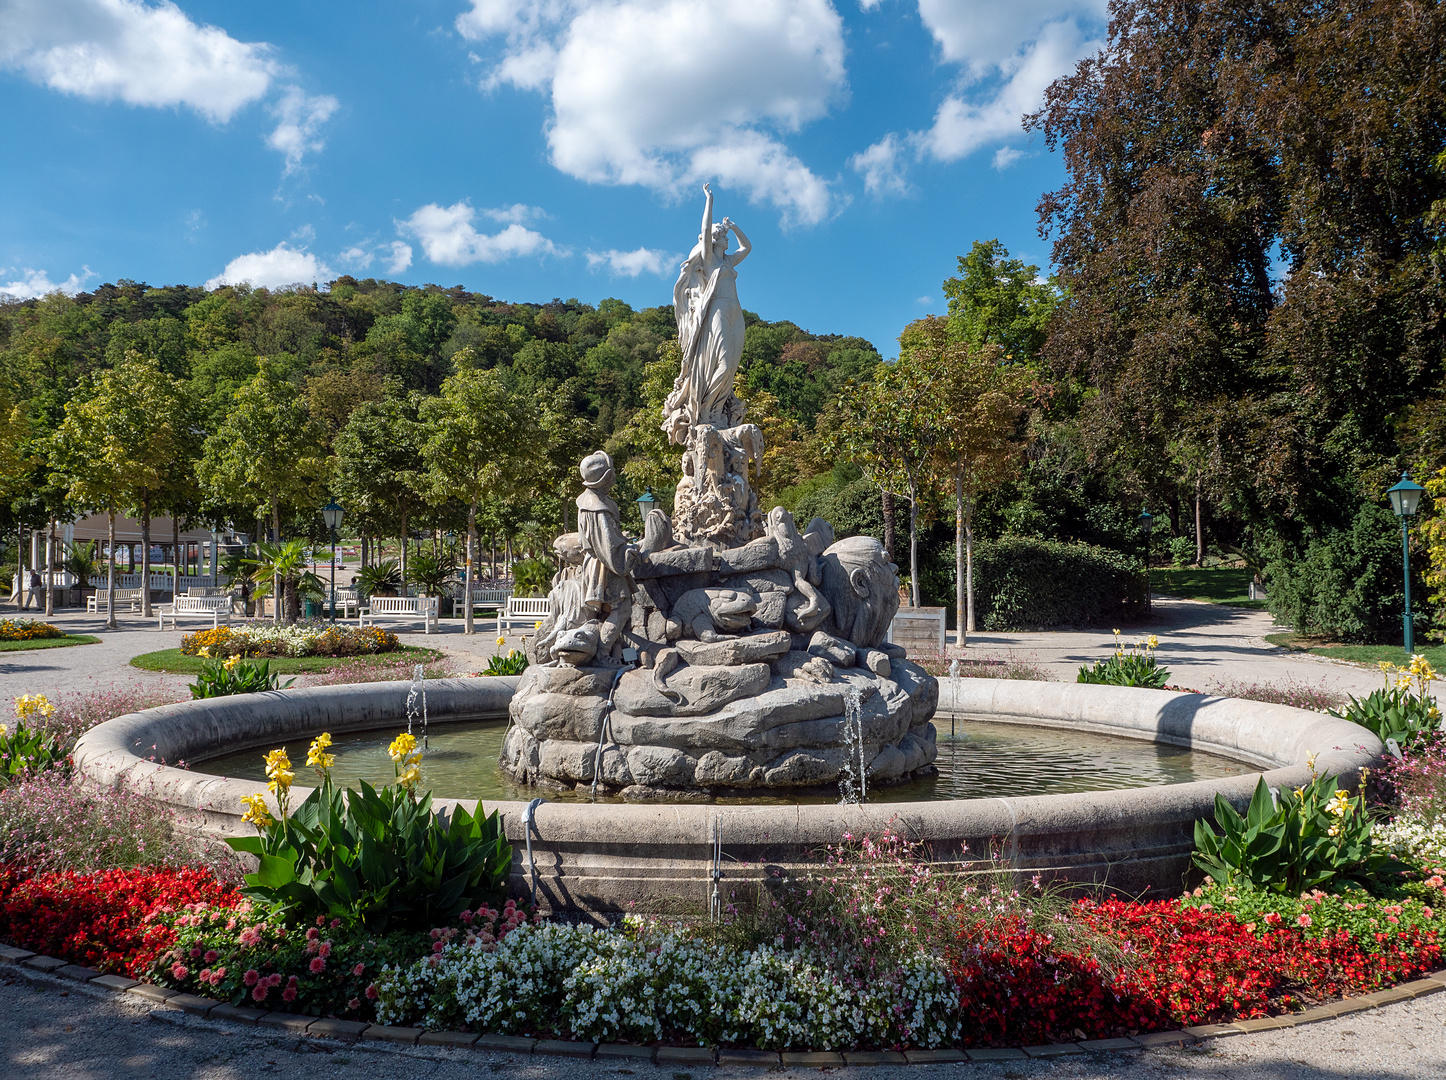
[(1026, 584)]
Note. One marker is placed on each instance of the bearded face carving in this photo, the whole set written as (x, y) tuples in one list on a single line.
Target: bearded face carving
[(862, 586)]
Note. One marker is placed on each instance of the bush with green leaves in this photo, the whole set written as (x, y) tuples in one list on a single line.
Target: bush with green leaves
[(383, 579), (514, 663), (1129, 665), (222, 678), (1316, 837), (1402, 710), (1024, 584), (25, 751), (379, 856), (531, 577), (432, 573)]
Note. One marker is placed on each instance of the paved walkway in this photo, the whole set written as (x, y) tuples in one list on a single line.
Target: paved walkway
[(51, 1029)]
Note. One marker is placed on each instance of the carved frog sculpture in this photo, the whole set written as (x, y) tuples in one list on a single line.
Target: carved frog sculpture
[(702, 613)]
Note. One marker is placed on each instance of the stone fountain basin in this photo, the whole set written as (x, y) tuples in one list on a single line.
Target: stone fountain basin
[(600, 858)]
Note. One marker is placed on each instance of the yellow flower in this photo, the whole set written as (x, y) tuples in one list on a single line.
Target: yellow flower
[(1385, 665), (204, 652), (411, 775), (1115, 632), (1403, 680), (1152, 641), (27, 705), (4, 731), (402, 746), (256, 812), (278, 771), (537, 625), (501, 641), (230, 664), (1310, 763), (316, 755), (1335, 830)]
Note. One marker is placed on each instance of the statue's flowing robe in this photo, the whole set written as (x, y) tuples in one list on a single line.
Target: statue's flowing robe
[(710, 336), (605, 551)]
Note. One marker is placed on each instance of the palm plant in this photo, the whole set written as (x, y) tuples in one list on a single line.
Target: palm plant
[(81, 562), (286, 563), (382, 579), (431, 572)]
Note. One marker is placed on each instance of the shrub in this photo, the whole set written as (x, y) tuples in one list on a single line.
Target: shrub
[(383, 579), (300, 639), (28, 630), (1008, 666), (531, 577), (1130, 665), (1023, 584), (1297, 695), (25, 751), (75, 714), (514, 663), (1401, 712), (1297, 841), (222, 678)]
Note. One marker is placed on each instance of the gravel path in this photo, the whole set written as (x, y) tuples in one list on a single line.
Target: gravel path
[(51, 1029)]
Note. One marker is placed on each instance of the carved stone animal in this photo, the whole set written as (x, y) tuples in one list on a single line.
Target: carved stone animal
[(578, 646), (807, 607), (701, 613), (862, 585)]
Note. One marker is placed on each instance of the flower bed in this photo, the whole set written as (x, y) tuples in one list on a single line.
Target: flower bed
[(270, 640), (28, 630)]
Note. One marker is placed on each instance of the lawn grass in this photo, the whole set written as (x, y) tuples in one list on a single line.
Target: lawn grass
[(48, 643), (1369, 655), (1218, 586), (178, 663)]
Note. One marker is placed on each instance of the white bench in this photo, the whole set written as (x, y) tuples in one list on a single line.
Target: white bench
[(215, 608), (347, 601), (528, 610), (494, 600), (401, 607), (95, 603)]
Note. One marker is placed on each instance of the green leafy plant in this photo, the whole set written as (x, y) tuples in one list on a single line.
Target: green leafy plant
[(379, 856), (1318, 836), (431, 573), (531, 577), (222, 678), (383, 579), (81, 562), (1130, 665), (1404, 712), (286, 563), (25, 751), (514, 663)]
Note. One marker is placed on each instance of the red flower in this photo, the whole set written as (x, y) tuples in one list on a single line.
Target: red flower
[(317, 965)]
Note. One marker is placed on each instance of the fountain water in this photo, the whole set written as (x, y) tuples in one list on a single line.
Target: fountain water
[(417, 693), (853, 781), (953, 685)]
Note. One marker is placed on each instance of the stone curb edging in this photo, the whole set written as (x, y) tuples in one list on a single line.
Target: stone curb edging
[(358, 1031)]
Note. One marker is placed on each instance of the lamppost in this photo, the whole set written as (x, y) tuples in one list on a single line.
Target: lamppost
[(646, 501), (1405, 497), (331, 515), (1147, 522)]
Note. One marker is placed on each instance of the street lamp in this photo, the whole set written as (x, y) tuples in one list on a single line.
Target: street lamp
[(646, 501), (1405, 497), (1147, 522), (331, 515)]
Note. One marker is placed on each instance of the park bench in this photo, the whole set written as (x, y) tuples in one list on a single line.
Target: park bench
[(400, 607), (215, 608), (492, 600), (131, 598), (527, 610), (207, 590), (347, 603)]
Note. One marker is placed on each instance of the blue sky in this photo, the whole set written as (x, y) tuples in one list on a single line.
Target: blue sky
[(530, 150)]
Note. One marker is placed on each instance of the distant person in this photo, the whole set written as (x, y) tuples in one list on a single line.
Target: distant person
[(37, 584)]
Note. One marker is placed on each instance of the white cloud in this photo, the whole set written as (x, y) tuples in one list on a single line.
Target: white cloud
[(1007, 54), (32, 284), (668, 93), (641, 260), (134, 52), (396, 256), (517, 212), (399, 257), (356, 258), (282, 265), (299, 117), (448, 237)]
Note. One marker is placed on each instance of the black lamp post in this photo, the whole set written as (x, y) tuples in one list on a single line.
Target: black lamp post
[(1405, 498), (646, 501), (1147, 522), (331, 515)]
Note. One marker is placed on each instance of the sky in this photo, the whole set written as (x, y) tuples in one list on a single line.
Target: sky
[(531, 150)]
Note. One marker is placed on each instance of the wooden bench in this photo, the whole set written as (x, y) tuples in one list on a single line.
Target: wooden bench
[(347, 602), (215, 608), (95, 603), (492, 600), (528, 610), (401, 607)]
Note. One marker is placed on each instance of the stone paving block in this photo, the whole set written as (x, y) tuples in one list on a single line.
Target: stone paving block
[(935, 1057), (115, 982), (1052, 1050), (1349, 1005), (292, 1022), (78, 973), (996, 1053), (1422, 987), (1108, 1044), (350, 1030), (565, 1048), (382, 1033), (1203, 1031), (875, 1057), (237, 1014), (1165, 1038), (762, 1059), (627, 1051), (44, 963), (190, 1003), (447, 1038), (684, 1055), (11, 955), (153, 994), (513, 1044), (812, 1059)]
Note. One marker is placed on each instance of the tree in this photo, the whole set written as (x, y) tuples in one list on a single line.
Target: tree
[(379, 468), (88, 459), (267, 452), (889, 426), (981, 401), (998, 300), (481, 440)]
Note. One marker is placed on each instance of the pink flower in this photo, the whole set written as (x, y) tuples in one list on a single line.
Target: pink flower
[(292, 982), (211, 956), (358, 969), (217, 976), (250, 978), (317, 965), (289, 994), (372, 992), (249, 937), (1302, 920), (324, 949), (335, 923), (1435, 881), (321, 920), (1272, 918), (1392, 919), (260, 991), (1428, 912), (312, 934), (178, 970), (436, 946), (205, 975), (195, 952), (353, 1005)]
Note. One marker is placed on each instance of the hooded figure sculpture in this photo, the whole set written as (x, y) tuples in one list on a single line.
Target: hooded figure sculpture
[(607, 556)]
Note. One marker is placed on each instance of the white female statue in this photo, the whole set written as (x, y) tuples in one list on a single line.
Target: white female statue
[(710, 330)]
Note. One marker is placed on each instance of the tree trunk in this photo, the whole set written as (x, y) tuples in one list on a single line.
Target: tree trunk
[(145, 558), (969, 556), (50, 550), (1199, 523), (110, 575), (20, 567), (175, 557), (276, 598), (888, 506), (914, 542), (467, 581), (961, 592), (404, 551), (492, 555)]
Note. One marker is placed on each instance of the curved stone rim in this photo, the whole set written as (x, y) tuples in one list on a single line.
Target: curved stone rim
[(1135, 839)]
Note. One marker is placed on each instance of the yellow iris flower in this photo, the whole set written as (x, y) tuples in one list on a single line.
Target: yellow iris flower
[(316, 755), (402, 747), (256, 812)]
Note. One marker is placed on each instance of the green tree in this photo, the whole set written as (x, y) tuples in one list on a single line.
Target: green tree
[(482, 439), (999, 300), (379, 470), (267, 453)]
